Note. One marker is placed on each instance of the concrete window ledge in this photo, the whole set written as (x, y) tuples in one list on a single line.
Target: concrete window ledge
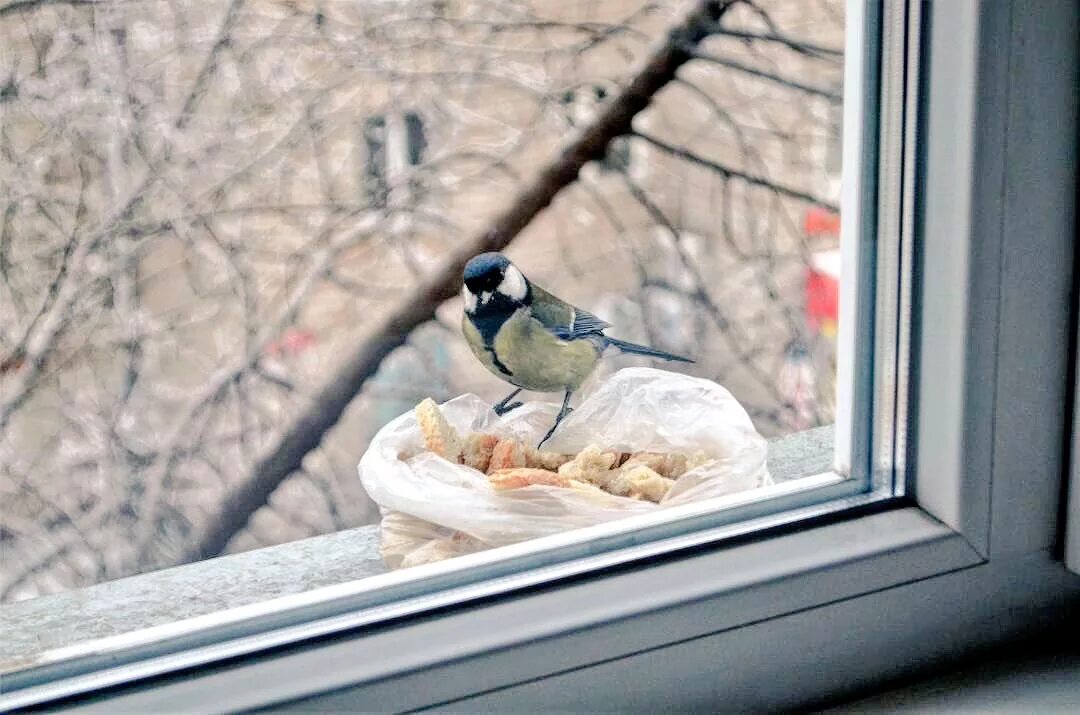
[(33, 628)]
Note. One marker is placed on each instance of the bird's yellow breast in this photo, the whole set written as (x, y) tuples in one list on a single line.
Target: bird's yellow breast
[(536, 359)]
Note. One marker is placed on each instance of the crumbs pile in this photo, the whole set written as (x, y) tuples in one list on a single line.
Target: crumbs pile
[(510, 464)]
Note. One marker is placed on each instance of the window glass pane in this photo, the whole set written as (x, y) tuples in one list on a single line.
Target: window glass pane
[(227, 244)]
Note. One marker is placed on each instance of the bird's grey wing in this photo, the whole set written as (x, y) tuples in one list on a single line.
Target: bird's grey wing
[(584, 323), (562, 319)]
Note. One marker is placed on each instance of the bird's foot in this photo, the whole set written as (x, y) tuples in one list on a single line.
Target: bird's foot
[(504, 405), (501, 409)]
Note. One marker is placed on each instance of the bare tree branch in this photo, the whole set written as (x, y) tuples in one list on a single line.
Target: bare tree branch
[(28, 5), (222, 41), (769, 76), (734, 174), (800, 46)]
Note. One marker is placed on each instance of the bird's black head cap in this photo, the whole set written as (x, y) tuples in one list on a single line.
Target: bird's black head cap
[(485, 272), (494, 289)]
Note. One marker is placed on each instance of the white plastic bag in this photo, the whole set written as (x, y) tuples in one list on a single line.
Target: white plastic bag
[(434, 509)]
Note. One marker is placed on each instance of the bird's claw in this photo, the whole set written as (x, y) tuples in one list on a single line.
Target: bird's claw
[(549, 433), (501, 410), (561, 416)]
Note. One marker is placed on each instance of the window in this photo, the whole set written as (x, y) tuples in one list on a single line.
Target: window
[(392, 144), (650, 613)]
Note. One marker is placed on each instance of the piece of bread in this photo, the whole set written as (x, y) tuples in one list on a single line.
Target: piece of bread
[(478, 450), (520, 477), (586, 488), (545, 460), (590, 465), (638, 481), (507, 454), (511, 464), (648, 484), (440, 436), (667, 464)]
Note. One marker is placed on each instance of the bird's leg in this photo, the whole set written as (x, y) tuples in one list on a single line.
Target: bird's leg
[(502, 408), (562, 413)]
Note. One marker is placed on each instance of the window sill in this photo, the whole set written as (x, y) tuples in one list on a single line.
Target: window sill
[(38, 628), (561, 628), (52, 629)]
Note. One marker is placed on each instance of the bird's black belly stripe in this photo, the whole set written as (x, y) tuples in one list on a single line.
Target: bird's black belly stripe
[(488, 327), (498, 363)]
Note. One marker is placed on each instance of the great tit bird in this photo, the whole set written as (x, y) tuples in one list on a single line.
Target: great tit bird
[(530, 338)]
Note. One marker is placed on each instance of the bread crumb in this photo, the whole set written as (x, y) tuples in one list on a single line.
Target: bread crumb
[(638, 481), (440, 436), (545, 460), (667, 464), (590, 489), (507, 454), (478, 450), (520, 477), (648, 484), (590, 465)]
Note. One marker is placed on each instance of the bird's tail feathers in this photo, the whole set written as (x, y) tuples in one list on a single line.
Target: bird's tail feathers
[(636, 349)]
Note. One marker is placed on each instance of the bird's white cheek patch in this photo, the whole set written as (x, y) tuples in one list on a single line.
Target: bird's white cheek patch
[(470, 300), (513, 284)]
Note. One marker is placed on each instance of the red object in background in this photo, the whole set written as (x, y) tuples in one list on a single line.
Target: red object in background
[(820, 221), (822, 299), (292, 342)]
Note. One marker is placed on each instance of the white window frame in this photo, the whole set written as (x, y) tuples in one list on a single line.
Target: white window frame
[(793, 616)]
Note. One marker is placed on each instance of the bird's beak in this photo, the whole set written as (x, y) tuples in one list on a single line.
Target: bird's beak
[(485, 296)]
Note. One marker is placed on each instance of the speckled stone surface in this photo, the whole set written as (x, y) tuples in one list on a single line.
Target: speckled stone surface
[(31, 628), (802, 454)]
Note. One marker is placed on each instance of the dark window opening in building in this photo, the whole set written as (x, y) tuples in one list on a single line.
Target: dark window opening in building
[(375, 184), (393, 143)]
